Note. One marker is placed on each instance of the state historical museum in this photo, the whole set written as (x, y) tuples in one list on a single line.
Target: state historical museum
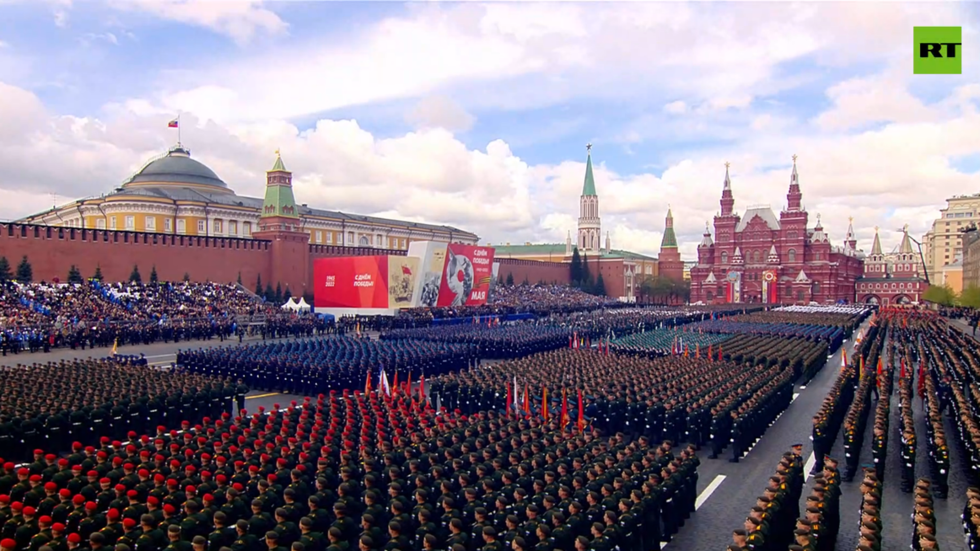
[(759, 257)]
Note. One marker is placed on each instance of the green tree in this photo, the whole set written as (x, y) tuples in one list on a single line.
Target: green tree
[(970, 297), (4, 269), (97, 276), (239, 278), (286, 295), (25, 273), (135, 276), (525, 282), (258, 285), (153, 274), (510, 279), (270, 294), (575, 268), (500, 280), (74, 276), (187, 277), (600, 286), (940, 294), (278, 293), (585, 281)]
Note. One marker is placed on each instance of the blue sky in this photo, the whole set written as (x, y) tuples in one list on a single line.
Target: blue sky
[(477, 115)]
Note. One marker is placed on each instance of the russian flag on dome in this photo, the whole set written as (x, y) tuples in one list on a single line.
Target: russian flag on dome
[(174, 123)]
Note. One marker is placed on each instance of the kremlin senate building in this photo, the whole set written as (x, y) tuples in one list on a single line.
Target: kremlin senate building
[(175, 208)]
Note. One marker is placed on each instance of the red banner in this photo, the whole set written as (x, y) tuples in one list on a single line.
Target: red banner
[(466, 275), (351, 282)]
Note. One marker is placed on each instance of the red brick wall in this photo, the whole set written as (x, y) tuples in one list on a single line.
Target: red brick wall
[(533, 270), (51, 251)]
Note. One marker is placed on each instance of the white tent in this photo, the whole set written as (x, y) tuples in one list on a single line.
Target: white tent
[(291, 305), (303, 306)]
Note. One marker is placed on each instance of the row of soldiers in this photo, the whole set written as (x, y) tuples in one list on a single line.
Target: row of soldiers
[(50, 405), (669, 398), (359, 471), (971, 518), (856, 419), (308, 367), (776, 521), (923, 517), (496, 342)]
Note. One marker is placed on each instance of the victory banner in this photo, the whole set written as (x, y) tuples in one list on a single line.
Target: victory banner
[(351, 282), (402, 273), (467, 275)]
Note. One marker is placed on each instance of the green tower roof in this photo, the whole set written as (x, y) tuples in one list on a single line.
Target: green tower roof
[(588, 188), (670, 240), (279, 200)]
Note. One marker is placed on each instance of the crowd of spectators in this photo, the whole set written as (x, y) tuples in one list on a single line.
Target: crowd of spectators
[(41, 316)]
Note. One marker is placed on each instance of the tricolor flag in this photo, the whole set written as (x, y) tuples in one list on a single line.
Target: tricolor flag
[(174, 123), (383, 381), (517, 396)]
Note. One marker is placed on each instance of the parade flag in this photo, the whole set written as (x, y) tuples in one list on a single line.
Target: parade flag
[(902, 361), (527, 401), (564, 408), (422, 389), (544, 403), (570, 341), (685, 351), (861, 369), (575, 336), (115, 345), (510, 400), (697, 350), (710, 355), (581, 416), (878, 380), (922, 377), (588, 342), (408, 385), (517, 396), (367, 383), (607, 346), (383, 381), (843, 358), (394, 385)]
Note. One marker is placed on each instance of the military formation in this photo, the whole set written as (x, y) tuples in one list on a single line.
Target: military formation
[(971, 518), (674, 398), (352, 470), (50, 405), (500, 341), (776, 521), (312, 366)]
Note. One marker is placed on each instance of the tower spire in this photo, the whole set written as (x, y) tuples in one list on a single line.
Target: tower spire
[(794, 197), (876, 246), (850, 239), (669, 240), (588, 187), (727, 200)]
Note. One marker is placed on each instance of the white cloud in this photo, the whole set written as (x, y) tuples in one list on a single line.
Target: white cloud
[(676, 107), (518, 56), (440, 112), (240, 20), (61, 19), (89, 38)]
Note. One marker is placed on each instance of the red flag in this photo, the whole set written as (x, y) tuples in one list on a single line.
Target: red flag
[(902, 361), (544, 404), (581, 416), (710, 355), (697, 350), (510, 399), (588, 342), (408, 385), (922, 378), (685, 350), (570, 341), (527, 401), (607, 347), (394, 386), (878, 379), (564, 408), (422, 389), (367, 383), (720, 357)]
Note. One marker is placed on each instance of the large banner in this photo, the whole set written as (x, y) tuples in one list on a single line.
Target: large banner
[(351, 282), (402, 274), (466, 276)]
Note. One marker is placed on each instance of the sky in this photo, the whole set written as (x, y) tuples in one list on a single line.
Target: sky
[(477, 115)]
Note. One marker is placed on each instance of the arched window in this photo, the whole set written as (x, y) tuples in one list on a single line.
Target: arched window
[(724, 258), (363, 241), (791, 255), (755, 257), (816, 288)]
